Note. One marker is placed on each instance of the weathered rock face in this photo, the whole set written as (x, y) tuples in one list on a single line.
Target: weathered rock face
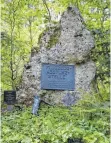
[(67, 43)]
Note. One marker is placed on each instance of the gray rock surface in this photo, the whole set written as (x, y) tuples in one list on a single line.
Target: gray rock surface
[(66, 43)]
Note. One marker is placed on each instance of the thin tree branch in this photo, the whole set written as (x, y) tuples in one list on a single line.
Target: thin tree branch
[(44, 2)]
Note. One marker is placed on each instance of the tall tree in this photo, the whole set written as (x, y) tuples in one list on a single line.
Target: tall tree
[(23, 21)]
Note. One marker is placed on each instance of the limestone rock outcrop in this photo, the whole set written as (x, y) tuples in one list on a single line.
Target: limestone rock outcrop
[(69, 42)]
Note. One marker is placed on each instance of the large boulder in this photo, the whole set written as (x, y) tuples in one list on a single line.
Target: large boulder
[(69, 42)]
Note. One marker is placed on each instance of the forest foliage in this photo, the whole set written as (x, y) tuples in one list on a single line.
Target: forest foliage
[(23, 21), (85, 122)]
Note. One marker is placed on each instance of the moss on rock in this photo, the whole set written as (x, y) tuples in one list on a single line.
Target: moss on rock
[(49, 37), (54, 38)]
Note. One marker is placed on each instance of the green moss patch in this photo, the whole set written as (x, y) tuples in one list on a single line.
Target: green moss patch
[(53, 33), (54, 37)]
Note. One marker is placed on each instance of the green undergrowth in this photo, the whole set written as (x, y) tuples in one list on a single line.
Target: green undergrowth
[(88, 120)]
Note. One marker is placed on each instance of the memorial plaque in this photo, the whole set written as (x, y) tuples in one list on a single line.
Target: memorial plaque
[(10, 97), (58, 77)]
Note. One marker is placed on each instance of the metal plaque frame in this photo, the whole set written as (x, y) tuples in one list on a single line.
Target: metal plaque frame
[(57, 77)]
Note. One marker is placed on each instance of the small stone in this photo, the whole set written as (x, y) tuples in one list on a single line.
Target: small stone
[(68, 100)]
